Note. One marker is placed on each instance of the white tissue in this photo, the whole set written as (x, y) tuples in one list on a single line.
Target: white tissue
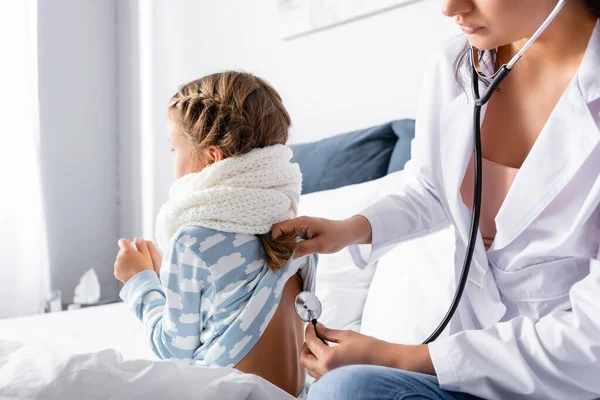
[(88, 289)]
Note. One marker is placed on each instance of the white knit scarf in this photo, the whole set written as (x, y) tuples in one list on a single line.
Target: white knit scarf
[(243, 194)]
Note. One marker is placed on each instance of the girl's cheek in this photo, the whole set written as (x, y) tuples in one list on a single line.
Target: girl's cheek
[(176, 167)]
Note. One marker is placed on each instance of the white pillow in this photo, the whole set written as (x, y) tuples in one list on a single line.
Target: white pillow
[(411, 289), (342, 287)]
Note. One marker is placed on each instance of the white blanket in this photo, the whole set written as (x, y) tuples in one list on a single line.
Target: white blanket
[(60, 356)]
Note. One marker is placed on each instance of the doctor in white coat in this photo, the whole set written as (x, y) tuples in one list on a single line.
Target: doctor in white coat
[(528, 325)]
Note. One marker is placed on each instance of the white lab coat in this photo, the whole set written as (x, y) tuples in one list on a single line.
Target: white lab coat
[(529, 322)]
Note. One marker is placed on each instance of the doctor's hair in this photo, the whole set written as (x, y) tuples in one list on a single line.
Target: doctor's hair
[(463, 57), (594, 6), (237, 112)]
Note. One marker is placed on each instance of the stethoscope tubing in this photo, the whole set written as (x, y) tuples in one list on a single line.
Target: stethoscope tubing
[(498, 77), (479, 102)]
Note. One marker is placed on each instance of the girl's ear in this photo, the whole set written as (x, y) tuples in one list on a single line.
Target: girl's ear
[(214, 154)]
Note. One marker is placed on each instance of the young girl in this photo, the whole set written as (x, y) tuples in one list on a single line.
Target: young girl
[(226, 292)]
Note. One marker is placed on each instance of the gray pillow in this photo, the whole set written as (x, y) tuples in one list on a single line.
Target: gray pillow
[(405, 130), (354, 157)]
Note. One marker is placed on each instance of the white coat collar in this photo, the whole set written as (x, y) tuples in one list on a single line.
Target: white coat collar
[(567, 139)]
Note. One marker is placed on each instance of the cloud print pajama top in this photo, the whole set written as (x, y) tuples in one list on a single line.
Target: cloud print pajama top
[(215, 296)]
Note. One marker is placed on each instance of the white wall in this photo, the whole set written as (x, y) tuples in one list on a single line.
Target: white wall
[(348, 77), (108, 69), (78, 128)]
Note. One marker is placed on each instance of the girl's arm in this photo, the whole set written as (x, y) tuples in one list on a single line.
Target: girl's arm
[(171, 311)]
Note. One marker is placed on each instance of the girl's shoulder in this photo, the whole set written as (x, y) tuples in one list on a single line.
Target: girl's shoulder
[(214, 246), (206, 238)]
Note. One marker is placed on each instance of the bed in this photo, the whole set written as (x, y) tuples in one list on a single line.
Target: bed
[(101, 352)]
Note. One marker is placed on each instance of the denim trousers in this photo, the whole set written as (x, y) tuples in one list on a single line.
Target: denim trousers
[(368, 382)]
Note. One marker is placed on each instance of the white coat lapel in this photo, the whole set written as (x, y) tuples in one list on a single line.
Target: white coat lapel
[(570, 135)]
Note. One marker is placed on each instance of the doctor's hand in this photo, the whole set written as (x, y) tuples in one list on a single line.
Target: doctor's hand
[(324, 236), (355, 348), (130, 261)]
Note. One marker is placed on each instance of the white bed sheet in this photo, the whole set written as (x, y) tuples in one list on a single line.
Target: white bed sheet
[(84, 330), (102, 353)]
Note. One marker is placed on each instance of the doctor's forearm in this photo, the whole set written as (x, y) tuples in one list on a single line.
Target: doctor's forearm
[(414, 358), (359, 229)]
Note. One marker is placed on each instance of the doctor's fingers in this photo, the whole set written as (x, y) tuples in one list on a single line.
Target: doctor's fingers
[(331, 335), (310, 246), (309, 361), (301, 226), (315, 345)]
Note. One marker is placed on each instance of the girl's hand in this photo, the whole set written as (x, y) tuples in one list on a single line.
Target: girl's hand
[(155, 256), (324, 236), (355, 348), (131, 261)]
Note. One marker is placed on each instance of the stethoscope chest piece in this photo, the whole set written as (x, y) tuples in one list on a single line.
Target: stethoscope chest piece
[(308, 306), (309, 309)]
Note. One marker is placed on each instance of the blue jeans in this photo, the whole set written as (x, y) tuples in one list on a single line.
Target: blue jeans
[(367, 382)]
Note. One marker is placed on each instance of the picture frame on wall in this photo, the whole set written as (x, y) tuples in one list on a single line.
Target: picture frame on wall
[(301, 17)]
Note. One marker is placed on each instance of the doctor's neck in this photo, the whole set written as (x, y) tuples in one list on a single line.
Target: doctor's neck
[(561, 45)]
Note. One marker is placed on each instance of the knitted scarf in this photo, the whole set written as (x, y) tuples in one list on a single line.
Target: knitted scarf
[(242, 194)]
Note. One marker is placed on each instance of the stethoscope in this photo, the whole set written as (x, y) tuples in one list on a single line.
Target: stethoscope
[(308, 306), (477, 73), (309, 309)]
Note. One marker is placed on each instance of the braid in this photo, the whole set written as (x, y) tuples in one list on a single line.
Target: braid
[(232, 110)]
